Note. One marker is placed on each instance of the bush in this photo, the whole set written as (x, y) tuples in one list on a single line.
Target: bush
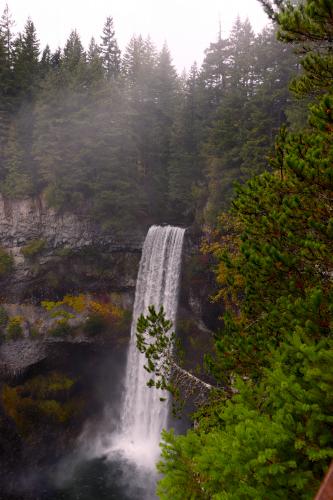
[(61, 328), (3, 317), (14, 328), (42, 400), (64, 252), (95, 324), (6, 263), (34, 248), (34, 332)]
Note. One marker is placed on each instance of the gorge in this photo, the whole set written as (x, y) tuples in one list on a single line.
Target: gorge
[(138, 411)]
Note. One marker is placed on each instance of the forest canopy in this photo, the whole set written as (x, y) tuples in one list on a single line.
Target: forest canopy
[(124, 138)]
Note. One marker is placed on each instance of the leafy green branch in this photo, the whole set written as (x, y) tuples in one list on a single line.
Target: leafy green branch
[(157, 341)]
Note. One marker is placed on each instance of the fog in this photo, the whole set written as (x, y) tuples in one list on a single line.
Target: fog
[(188, 26)]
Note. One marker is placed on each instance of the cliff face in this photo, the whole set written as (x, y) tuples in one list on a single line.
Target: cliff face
[(56, 253), (53, 255)]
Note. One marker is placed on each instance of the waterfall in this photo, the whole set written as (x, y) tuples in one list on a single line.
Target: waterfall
[(143, 414)]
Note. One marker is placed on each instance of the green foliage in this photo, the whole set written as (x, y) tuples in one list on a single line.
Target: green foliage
[(127, 141), (273, 439), (156, 342), (285, 254), (42, 400), (61, 328), (93, 315), (6, 263), (94, 324), (109, 51), (308, 25), (34, 332), (33, 249), (3, 317), (14, 330), (255, 98)]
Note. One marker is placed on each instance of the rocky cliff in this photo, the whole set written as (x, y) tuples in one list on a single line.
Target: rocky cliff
[(55, 253), (64, 253)]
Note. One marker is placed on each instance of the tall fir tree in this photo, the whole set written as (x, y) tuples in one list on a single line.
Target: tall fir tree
[(110, 52), (26, 62)]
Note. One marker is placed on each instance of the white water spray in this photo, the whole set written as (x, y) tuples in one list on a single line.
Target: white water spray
[(143, 415)]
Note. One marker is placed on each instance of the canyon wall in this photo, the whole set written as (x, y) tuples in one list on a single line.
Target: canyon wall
[(55, 253)]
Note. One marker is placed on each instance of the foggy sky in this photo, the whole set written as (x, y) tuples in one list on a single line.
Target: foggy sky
[(188, 26)]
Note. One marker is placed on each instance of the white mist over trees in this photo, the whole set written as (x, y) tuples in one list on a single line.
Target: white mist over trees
[(123, 137)]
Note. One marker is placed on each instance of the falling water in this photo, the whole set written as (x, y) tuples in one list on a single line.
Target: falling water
[(143, 414)]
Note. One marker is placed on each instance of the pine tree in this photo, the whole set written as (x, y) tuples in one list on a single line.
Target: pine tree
[(6, 76), (95, 63), (253, 107), (7, 35), (45, 62), (17, 181), (56, 59), (73, 63), (308, 26), (273, 439), (26, 62), (214, 70), (186, 165), (109, 50)]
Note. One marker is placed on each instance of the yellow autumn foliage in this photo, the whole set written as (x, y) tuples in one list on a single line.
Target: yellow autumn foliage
[(84, 304), (106, 310), (225, 241)]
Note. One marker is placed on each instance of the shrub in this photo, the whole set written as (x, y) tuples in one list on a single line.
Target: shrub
[(33, 248), (6, 263), (95, 324), (64, 252), (61, 328), (45, 399), (106, 310), (3, 317), (14, 328), (34, 332)]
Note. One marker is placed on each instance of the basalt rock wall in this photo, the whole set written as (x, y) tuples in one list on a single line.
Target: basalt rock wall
[(56, 253)]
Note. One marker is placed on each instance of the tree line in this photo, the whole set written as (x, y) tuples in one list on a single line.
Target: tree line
[(124, 138)]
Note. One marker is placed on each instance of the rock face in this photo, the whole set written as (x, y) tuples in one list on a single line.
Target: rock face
[(24, 220), (73, 251), (75, 256), (17, 356)]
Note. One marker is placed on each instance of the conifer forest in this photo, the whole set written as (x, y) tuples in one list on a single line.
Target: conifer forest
[(229, 294)]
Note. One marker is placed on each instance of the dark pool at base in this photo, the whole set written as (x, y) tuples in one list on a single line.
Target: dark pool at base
[(97, 479)]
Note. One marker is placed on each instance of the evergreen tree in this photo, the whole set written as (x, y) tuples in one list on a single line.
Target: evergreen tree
[(109, 50), (56, 58), (95, 63), (73, 66), (16, 181), (253, 107), (6, 76), (45, 63), (186, 166), (273, 439), (7, 36), (308, 25), (242, 57), (215, 73), (26, 62), (143, 77)]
